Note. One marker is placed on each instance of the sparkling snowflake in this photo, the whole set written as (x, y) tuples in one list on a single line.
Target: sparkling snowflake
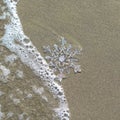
[(62, 57)]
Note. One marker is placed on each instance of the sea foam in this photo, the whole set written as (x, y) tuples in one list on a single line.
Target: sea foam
[(17, 42)]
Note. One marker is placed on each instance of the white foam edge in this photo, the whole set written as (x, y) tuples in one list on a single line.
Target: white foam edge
[(15, 40)]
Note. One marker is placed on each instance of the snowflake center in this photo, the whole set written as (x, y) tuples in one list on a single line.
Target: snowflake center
[(62, 58)]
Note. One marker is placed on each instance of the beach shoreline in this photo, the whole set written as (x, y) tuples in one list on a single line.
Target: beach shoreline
[(94, 25)]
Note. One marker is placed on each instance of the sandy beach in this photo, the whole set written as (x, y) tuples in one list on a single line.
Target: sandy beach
[(94, 25)]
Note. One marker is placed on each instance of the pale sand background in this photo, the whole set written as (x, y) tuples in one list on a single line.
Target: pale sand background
[(95, 24)]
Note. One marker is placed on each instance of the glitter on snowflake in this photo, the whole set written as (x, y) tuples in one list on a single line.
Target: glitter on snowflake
[(62, 57)]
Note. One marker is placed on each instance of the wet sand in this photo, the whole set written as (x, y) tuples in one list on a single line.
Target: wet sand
[(93, 94)]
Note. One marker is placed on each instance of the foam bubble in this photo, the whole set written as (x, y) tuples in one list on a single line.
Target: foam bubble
[(19, 74), (9, 115), (38, 90), (11, 58), (4, 73), (15, 100), (2, 115), (1, 93)]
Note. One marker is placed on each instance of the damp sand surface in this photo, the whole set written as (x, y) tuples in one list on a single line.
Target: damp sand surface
[(94, 25)]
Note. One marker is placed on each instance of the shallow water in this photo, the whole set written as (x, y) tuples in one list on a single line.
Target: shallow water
[(19, 97)]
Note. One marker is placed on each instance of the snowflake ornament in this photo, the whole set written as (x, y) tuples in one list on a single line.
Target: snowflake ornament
[(62, 57)]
